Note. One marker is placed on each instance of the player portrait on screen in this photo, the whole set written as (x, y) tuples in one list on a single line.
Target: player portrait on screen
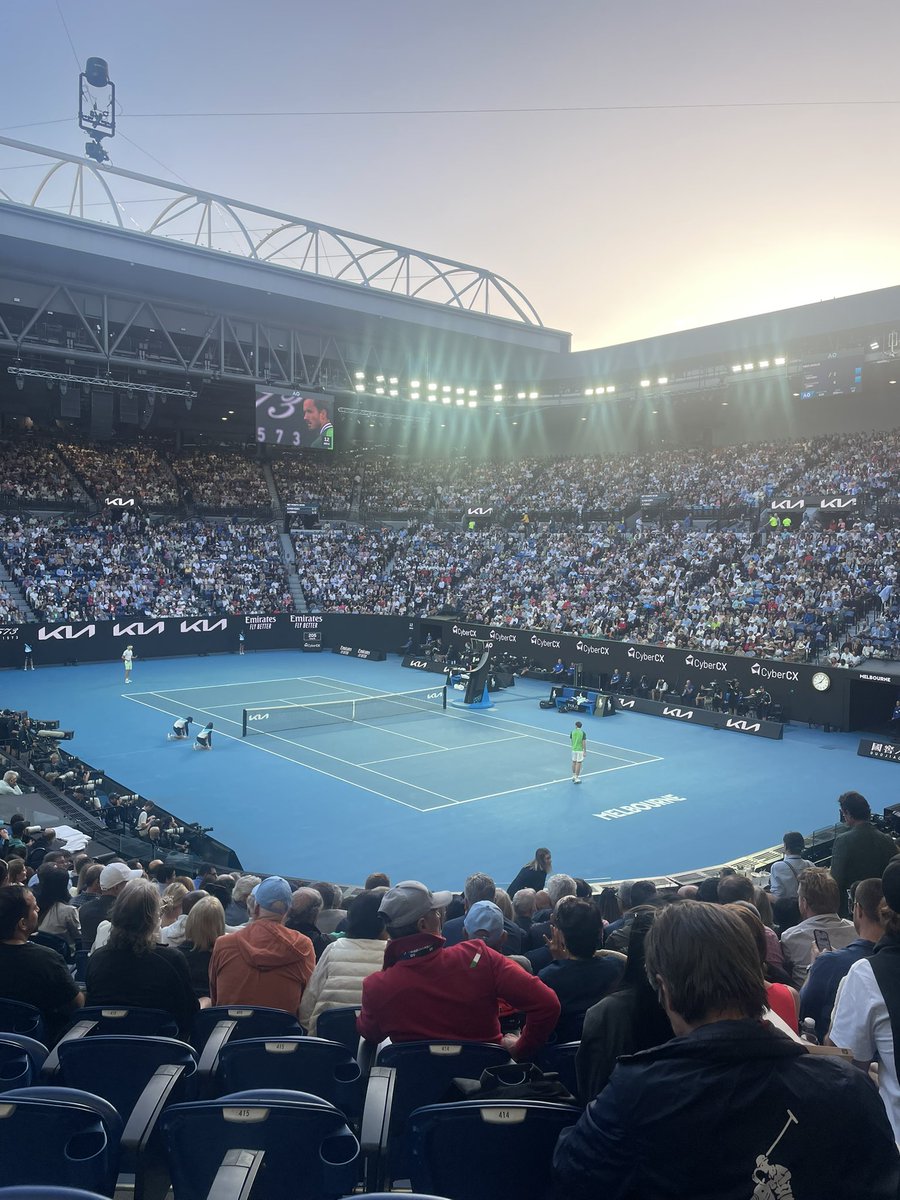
[(317, 416)]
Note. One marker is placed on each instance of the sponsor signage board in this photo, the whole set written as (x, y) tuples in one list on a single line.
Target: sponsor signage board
[(884, 750), (359, 652), (754, 726), (422, 662)]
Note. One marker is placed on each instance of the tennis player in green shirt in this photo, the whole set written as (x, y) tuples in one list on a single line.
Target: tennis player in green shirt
[(578, 738)]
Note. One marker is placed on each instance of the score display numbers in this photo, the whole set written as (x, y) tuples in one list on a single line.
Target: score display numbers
[(295, 419), (830, 377)]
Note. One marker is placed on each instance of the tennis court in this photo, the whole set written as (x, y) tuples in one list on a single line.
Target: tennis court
[(405, 747)]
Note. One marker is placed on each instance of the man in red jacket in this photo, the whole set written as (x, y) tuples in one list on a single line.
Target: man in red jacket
[(431, 991)]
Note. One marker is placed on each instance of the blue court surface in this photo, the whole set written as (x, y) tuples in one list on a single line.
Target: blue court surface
[(435, 795)]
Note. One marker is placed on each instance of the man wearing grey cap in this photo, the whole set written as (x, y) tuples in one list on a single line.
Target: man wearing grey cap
[(431, 991)]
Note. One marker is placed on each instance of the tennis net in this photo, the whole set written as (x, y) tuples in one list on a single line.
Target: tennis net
[(277, 718)]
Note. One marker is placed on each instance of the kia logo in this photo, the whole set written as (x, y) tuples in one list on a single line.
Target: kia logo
[(65, 633), (257, 716), (743, 726), (683, 714), (418, 662), (138, 629), (203, 626)]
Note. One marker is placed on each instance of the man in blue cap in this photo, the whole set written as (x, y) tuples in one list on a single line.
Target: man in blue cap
[(263, 963)]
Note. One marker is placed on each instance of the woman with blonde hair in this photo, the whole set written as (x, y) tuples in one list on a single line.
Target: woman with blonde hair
[(171, 917), (204, 924)]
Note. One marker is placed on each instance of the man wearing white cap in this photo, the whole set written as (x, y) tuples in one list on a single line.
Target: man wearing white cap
[(263, 963), (113, 878), (429, 990)]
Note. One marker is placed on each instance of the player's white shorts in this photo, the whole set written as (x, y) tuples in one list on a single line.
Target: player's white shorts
[(577, 756)]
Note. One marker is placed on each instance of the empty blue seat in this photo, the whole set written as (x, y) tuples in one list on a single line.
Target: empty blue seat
[(423, 1073), (21, 1059), (120, 1068), (51, 1193), (326, 1069), (59, 1137), (248, 1021), (16, 1017), (487, 1150), (295, 1145), (119, 1019)]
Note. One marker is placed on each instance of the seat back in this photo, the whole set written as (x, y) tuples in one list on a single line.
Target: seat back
[(54, 942), (339, 1025), (508, 1148), (326, 1069), (16, 1017), (559, 1057), (309, 1153), (424, 1074), (59, 1137), (52, 1193), (120, 1067), (120, 1019), (248, 1022), (21, 1059)]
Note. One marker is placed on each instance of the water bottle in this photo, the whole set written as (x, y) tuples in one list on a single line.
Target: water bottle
[(808, 1031)]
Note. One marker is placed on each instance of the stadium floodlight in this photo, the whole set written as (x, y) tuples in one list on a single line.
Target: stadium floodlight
[(414, 383), (874, 345), (473, 404), (432, 387), (446, 400), (379, 391), (498, 387), (431, 399), (393, 392), (599, 391), (360, 387), (473, 391), (663, 379), (359, 374), (497, 398), (415, 396), (763, 363), (610, 389), (460, 402), (532, 395), (645, 383), (460, 391), (520, 395), (737, 368), (748, 366), (589, 391), (379, 379), (446, 389), (393, 379), (779, 362)]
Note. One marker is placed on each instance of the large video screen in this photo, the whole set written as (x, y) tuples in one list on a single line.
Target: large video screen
[(300, 419)]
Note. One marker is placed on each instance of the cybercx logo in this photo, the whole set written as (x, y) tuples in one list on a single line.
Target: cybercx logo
[(497, 635), (203, 626), (705, 664), (774, 673), (459, 631), (138, 629), (546, 643), (591, 648), (681, 714), (65, 633), (743, 726), (643, 656)]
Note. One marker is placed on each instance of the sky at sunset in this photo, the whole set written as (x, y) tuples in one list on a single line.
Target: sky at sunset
[(635, 168)]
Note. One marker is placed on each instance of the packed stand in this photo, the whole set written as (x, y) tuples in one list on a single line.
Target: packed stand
[(101, 569), (326, 481), (222, 479), (126, 469), (30, 470), (637, 998)]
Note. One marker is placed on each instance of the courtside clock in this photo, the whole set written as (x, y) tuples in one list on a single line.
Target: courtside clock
[(821, 682)]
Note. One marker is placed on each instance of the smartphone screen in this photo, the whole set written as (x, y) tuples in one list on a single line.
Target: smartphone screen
[(823, 941)]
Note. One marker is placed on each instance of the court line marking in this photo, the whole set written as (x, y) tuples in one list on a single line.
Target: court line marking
[(469, 717), (531, 786), (513, 737), (286, 757), (334, 757), (200, 687)]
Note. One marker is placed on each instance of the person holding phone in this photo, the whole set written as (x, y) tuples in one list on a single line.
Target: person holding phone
[(818, 900)]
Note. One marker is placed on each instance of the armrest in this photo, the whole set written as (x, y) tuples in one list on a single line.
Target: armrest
[(236, 1175), (150, 1104), (209, 1058), (376, 1123), (79, 1030)]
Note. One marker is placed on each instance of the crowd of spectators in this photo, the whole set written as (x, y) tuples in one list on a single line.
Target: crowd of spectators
[(721, 988), (96, 568), (125, 469), (30, 469), (222, 479), (327, 481)]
